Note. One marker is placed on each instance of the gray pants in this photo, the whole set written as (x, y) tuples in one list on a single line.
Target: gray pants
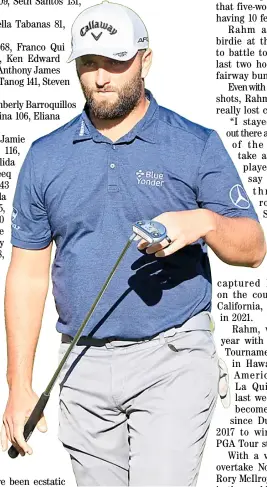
[(138, 413)]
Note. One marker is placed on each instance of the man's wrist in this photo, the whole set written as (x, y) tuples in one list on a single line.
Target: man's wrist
[(18, 383), (208, 221)]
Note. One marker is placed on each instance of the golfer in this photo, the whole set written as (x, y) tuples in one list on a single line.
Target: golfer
[(139, 389)]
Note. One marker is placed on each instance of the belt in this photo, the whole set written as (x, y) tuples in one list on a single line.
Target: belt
[(201, 321)]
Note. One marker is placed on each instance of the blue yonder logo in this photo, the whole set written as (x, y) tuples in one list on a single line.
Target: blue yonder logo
[(149, 178)]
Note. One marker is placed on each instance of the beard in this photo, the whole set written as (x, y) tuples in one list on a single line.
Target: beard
[(128, 97)]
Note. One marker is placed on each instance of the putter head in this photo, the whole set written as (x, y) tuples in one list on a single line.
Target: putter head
[(150, 230)]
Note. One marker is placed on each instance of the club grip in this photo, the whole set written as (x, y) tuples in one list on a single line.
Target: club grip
[(31, 423)]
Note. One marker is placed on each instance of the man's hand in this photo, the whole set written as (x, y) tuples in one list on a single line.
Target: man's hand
[(235, 240), (183, 228), (20, 404)]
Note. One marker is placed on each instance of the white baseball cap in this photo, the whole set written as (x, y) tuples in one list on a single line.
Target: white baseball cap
[(108, 29)]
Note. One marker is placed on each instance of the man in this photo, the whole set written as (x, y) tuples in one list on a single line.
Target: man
[(139, 389)]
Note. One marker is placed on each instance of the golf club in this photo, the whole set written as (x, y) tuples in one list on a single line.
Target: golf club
[(151, 231)]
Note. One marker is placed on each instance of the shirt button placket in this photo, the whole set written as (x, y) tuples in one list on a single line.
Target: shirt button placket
[(113, 185)]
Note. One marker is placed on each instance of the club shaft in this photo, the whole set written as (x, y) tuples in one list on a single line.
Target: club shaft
[(39, 407), (88, 316)]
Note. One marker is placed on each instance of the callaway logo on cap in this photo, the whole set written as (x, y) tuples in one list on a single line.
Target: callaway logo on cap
[(108, 29)]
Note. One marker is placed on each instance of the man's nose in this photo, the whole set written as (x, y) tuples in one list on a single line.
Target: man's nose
[(102, 77)]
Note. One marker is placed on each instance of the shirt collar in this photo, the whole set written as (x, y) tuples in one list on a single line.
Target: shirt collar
[(145, 129)]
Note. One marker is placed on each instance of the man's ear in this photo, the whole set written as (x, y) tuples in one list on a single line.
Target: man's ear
[(146, 62)]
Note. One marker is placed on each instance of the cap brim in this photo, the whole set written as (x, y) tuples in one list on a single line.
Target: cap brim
[(104, 52)]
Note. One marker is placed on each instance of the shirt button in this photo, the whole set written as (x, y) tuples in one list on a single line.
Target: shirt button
[(113, 147), (112, 166)]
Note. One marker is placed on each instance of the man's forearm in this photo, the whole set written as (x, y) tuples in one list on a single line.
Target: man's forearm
[(24, 304), (236, 241)]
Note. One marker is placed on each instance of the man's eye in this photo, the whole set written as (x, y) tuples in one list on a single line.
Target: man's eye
[(87, 62), (114, 62)]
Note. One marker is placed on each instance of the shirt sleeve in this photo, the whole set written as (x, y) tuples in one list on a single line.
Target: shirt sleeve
[(30, 228), (219, 187)]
